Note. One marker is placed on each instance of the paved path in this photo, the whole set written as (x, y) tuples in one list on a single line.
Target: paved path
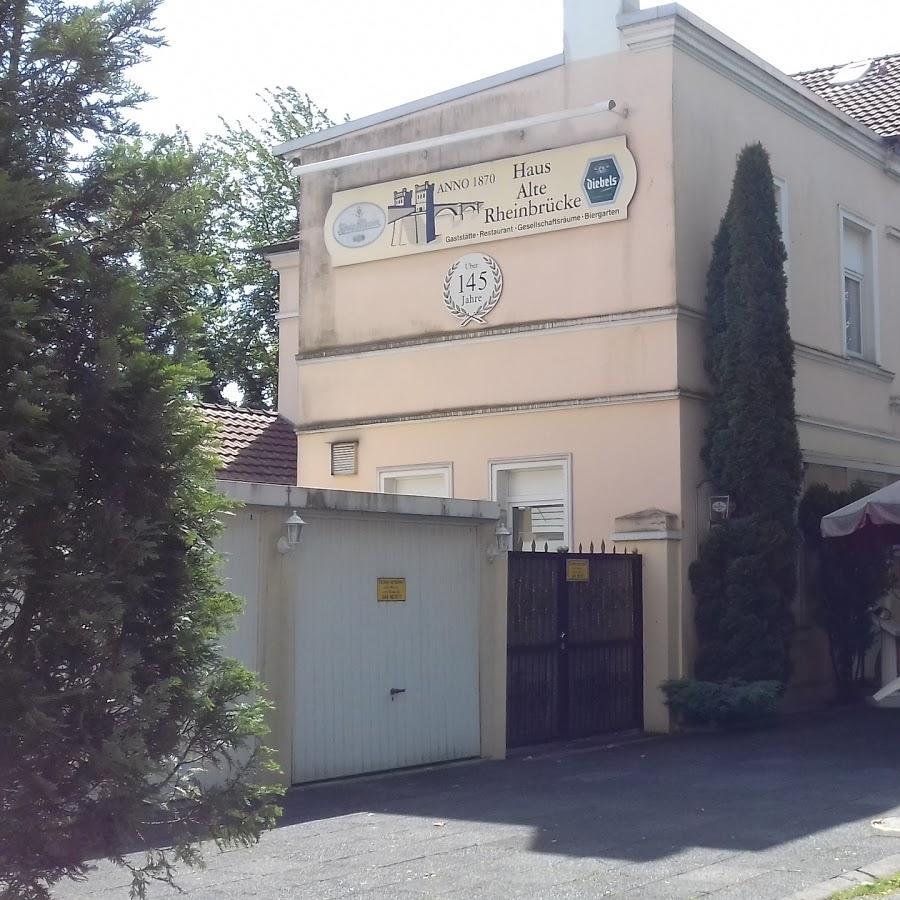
[(753, 816)]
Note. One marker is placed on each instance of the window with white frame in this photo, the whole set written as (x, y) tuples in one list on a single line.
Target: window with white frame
[(859, 300), (535, 497), (853, 282), (781, 213), (420, 481), (781, 208)]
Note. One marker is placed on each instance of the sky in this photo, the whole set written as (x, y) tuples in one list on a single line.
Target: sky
[(355, 57)]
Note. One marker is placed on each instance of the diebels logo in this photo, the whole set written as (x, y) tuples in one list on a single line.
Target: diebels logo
[(601, 180)]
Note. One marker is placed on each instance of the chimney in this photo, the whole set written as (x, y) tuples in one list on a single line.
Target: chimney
[(590, 29)]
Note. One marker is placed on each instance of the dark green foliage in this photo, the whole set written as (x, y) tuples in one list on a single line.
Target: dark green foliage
[(848, 577), (729, 704), (751, 450), (744, 578), (112, 691), (253, 201)]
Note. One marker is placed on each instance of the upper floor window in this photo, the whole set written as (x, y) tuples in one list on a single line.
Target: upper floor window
[(781, 212), (859, 290), (421, 481), (535, 496), (781, 208), (853, 283)]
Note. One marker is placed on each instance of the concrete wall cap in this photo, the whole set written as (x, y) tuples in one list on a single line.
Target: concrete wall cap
[(327, 500), (647, 520)]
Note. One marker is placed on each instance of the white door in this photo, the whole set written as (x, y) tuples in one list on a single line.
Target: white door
[(353, 651)]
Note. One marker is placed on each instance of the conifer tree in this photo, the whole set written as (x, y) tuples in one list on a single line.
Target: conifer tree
[(744, 577), (112, 689), (254, 202)]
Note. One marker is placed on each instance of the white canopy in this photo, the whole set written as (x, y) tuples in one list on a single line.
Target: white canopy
[(880, 508)]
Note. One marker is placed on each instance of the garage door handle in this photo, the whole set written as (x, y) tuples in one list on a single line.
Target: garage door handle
[(395, 691)]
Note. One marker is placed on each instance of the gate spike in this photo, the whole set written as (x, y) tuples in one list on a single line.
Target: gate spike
[(533, 546), (579, 547), (634, 551), (614, 548), (592, 546), (546, 547), (602, 546)]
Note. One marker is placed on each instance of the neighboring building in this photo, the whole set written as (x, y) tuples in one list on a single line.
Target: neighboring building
[(868, 90), (253, 445), (563, 375), (341, 655)]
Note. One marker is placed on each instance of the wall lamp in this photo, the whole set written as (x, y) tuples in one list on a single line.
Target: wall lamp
[(503, 537), (293, 527)]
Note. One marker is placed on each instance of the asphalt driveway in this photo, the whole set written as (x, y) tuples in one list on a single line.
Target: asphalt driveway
[(758, 815)]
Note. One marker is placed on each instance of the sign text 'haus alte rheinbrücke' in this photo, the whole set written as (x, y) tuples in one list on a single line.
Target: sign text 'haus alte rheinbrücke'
[(567, 187)]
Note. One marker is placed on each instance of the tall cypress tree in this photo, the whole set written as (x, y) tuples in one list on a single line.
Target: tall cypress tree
[(112, 690), (744, 577)]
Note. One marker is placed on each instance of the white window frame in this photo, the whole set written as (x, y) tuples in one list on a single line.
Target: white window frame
[(384, 473), (783, 207), (564, 460), (844, 215), (859, 278)]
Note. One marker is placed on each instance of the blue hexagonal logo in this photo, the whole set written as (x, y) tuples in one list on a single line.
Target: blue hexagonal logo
[(601, 180)]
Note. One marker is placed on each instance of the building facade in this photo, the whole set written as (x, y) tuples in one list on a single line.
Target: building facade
[(498, 292)]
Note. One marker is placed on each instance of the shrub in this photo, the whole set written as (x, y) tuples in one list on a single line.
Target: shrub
[(848, 576), (742, 581), (727, 704)]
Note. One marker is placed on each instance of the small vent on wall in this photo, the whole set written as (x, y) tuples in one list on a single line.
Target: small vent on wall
[(343, 458)]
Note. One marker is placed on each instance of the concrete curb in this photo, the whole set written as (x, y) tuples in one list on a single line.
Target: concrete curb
[(882, 868)]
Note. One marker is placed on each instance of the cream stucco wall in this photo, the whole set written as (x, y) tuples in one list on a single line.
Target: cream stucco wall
[(624, 457), (586, 315), (717, 117), (287, 265), (595, 350), (845, 411), (578, 272)]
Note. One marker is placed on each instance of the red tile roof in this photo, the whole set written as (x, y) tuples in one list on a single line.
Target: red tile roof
[(873, 99), (255, 445)]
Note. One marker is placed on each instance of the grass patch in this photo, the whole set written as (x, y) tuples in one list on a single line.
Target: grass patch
[(875, 889)]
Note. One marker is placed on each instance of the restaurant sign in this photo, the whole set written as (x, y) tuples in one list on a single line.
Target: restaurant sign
[(585, 184)]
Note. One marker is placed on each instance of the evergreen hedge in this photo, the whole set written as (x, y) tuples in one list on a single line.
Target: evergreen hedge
[(744, 578), (114, 695)]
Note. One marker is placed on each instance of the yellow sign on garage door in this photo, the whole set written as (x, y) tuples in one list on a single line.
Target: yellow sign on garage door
[(391, 590)]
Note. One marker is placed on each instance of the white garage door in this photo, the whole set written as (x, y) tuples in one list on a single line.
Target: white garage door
[(353, 650)]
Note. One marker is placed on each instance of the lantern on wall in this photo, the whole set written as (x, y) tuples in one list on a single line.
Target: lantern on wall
[(293, 528)]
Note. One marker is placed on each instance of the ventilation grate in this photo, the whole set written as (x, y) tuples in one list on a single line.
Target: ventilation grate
[(343, 458)]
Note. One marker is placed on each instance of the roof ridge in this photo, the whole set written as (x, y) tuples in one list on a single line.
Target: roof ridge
[(245, 410), (840, 65)]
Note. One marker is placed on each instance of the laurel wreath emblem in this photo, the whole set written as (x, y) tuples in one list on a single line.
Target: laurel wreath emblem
[(485, 306)]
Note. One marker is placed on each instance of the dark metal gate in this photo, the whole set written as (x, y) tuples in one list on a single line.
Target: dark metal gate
[(575, 645)]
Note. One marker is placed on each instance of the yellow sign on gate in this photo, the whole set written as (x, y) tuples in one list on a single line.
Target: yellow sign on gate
[(578, 569), (391, 590)]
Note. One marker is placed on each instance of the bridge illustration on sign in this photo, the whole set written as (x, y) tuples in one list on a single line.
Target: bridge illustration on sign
[(415, 217)]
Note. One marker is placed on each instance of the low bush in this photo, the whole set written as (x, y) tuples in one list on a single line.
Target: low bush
[(724, 704), (848, 577)]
